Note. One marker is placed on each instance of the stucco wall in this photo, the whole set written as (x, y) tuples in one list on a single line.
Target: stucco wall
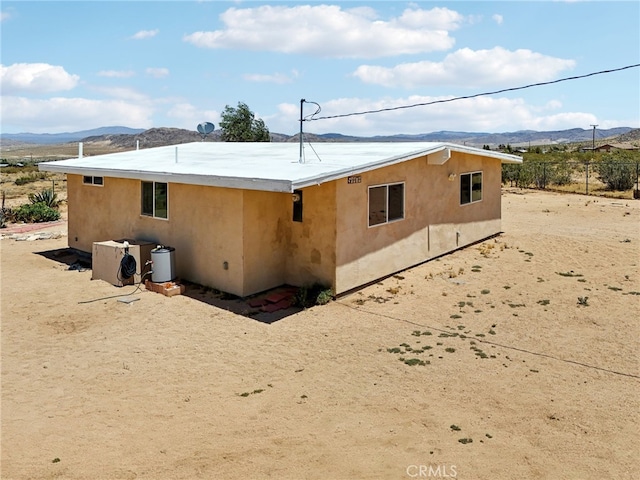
[(204, 226), (265, 239), (311, 251), (434, 223)]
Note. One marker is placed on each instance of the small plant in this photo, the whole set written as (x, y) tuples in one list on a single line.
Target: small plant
[(32, 177), (324, 297), (455, 428), (464, 441), (316, 294), (55, 460), (485, 292), (543, 302), (569, 274), (47, 196), (582, 301), (414, 361), (449, 349)]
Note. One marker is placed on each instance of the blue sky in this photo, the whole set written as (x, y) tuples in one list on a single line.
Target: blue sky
[(69, 66)]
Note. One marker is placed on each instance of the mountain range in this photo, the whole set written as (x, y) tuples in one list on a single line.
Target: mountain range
[(124, 137)]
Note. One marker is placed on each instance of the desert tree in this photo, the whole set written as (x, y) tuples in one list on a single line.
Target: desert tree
[(240, 125)]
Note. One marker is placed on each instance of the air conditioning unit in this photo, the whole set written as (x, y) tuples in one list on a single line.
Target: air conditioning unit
[(107, 257)]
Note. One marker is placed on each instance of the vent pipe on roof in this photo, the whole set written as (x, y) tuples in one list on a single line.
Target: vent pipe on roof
[(80, 150), (137, 144), (176, 154)]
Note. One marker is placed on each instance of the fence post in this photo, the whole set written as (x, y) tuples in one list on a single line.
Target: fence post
[(587, 178)]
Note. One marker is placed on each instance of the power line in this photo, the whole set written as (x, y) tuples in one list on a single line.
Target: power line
[(474, 95)]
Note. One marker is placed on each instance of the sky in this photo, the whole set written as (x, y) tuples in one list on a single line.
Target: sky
[(78, 65)]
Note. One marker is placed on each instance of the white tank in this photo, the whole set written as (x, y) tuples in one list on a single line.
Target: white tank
[(163, 264)]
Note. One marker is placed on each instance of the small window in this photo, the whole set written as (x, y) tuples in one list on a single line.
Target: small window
[(89, 180), (386, 203), (470, 188), (155, 199), (297, 205)]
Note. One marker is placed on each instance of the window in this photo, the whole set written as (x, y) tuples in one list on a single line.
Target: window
[(154, 199), (89, 180), (386, 203), (470, 188)]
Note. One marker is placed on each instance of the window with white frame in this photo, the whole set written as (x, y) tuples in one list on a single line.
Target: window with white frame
[(386, 203), (470, 187), (90, 180), (155, 199)]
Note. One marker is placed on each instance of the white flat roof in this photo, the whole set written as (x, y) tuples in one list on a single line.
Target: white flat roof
[(256, 166)]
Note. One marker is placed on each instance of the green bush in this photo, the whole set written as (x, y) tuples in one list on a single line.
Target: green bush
[(35, 213), (316, 294), (33, 177), (560, 173), (617, 171)]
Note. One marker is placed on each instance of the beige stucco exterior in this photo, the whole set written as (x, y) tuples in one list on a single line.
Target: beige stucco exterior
[(245, 241)]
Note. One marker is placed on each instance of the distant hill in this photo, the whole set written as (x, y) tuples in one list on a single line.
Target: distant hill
[(53, 138), (127, 138)]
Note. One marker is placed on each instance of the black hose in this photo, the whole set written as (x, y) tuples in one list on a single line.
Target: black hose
[(127, 266)]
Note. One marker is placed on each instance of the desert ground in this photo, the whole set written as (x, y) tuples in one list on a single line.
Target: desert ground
[(516, 358)]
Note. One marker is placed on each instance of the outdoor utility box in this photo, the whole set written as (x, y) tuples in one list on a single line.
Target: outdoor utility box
[(107, 256)]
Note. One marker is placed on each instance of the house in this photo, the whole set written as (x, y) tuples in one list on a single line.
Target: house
[(608, 147), (247, 217)]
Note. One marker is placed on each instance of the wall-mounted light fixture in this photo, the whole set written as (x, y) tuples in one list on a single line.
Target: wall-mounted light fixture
[(452, 177)]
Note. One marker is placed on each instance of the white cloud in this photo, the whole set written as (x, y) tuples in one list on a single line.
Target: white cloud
[(469, 68), (185, 115), (277, 78), (59, 114), (144, 34), (122, 93), (4, 16), (157, 72), (116, 73), (330, 31), (35, 78), (498, 18)]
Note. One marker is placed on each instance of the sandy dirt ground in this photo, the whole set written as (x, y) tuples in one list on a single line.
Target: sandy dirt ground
[(516, 358)]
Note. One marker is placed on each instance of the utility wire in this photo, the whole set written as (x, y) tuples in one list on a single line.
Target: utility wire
[(474, 95)]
